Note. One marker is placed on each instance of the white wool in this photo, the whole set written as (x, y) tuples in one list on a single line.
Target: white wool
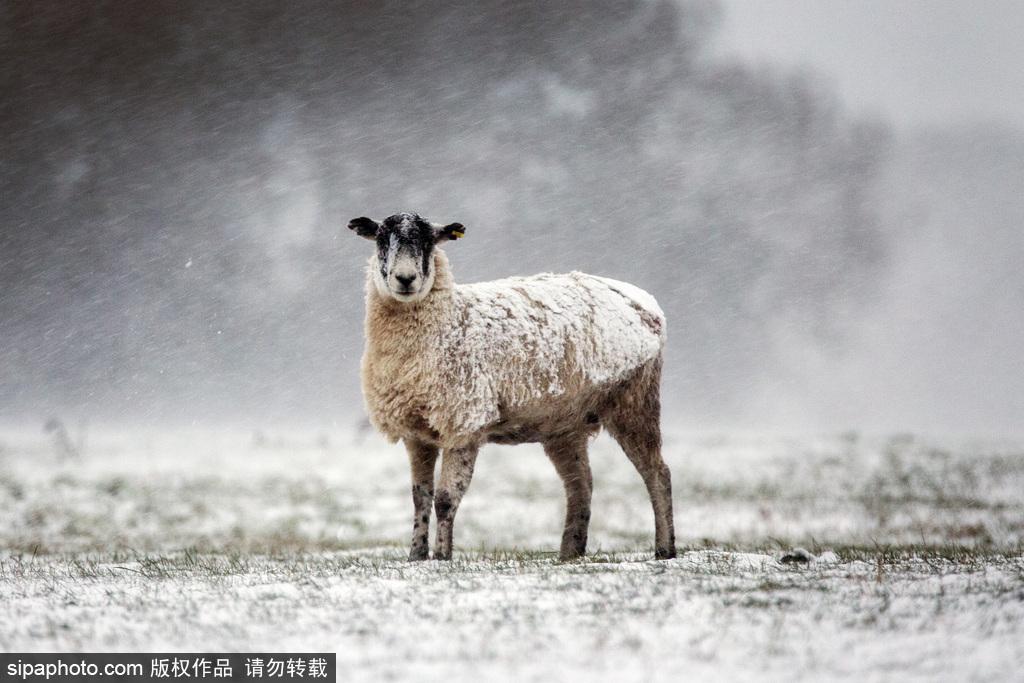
[(511, 342), (633, 292)]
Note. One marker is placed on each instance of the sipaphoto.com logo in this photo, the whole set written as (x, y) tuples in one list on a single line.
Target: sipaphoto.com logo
[(62, 668), (121, 667)]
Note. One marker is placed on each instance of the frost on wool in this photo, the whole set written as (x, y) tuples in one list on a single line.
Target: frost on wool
[(512, 342)]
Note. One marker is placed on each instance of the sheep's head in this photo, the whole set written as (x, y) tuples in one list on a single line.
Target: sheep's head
[(403, 266)]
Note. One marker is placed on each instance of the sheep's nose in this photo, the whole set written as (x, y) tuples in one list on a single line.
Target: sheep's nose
[(406, 281)]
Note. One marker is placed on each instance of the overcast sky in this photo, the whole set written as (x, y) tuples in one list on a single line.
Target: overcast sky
[(915, 61)]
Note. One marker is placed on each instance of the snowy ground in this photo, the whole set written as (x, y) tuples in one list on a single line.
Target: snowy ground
[(235, 541)]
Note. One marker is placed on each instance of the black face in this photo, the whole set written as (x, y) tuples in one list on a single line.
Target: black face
[(405, 236), (405, 246)]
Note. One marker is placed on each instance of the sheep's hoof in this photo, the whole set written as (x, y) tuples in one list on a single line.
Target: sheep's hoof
[(665, 553)]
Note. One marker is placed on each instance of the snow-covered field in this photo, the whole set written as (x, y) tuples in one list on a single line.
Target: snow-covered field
[(236, 541)]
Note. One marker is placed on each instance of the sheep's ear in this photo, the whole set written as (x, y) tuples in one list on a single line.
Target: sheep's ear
[(452, 231), (364, 227)]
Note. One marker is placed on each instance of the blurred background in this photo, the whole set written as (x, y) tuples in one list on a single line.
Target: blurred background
[(824, 196)]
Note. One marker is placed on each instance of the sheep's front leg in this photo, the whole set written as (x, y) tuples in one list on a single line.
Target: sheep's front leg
[(422, 458), (456, 473)]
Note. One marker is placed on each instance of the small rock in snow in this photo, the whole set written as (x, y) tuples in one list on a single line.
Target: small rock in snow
[(797, 556)]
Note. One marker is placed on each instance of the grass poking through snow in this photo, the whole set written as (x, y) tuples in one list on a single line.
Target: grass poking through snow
[(209, 542)]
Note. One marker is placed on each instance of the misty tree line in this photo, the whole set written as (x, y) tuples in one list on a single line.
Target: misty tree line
[(176, 178)]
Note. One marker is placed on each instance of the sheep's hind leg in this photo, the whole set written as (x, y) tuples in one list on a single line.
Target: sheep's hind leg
[(422, 458), (569, 456), (456, 473), (635, 422), (645, 453)]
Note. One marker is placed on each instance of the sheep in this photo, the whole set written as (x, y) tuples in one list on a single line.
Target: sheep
[(548, 359)]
